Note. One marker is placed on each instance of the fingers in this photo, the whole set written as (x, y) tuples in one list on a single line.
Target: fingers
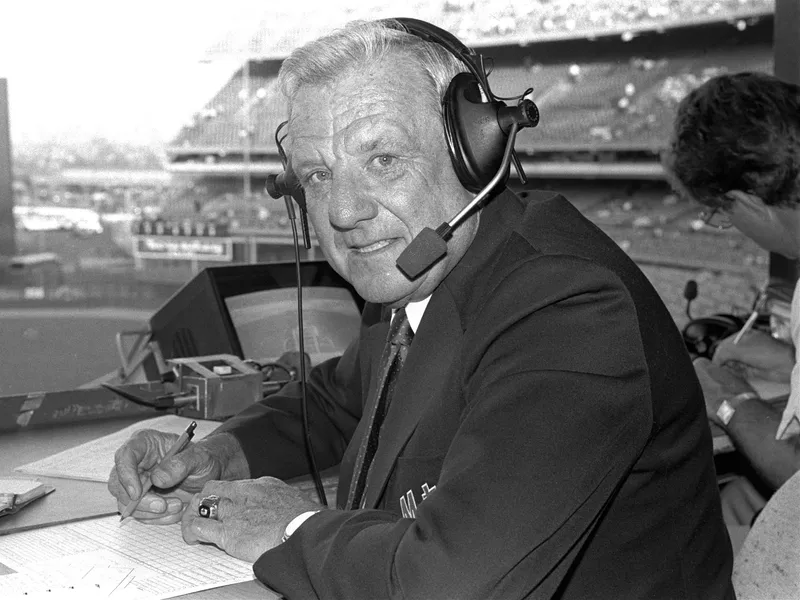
[(156, 510), (727, 350), (190, 469), (753, 348), (172, 472), (133, 462), (140, 453), (119, 491), (116, 489), (201, 529), (131, 458), (722, 374), (220, 489), (197, 529)]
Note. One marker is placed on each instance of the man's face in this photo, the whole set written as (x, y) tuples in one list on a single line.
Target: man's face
[(773, 228), (370, 153)]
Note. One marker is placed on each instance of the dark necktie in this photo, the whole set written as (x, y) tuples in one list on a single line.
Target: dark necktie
[(394, 355)]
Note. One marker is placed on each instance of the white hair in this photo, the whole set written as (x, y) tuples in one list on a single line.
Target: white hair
[(359, 43)]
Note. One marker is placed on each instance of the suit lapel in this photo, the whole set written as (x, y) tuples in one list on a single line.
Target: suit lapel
[(434, 346), (428, 360)]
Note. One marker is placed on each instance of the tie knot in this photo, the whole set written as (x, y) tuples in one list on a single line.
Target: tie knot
[(400, 329)]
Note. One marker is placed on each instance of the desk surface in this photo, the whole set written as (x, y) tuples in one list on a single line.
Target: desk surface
[(74, 500)]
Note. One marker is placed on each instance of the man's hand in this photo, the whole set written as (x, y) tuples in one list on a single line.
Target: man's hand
[(719, 383), (757, 356), (174, 482), (252, 515)]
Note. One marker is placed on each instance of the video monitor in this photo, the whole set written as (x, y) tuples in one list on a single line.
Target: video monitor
[(266, 322), (251, 311)]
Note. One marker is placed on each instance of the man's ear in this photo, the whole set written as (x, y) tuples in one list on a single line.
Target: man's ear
[(747, 202)]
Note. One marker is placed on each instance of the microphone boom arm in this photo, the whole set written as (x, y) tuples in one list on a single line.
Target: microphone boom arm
[(430, 246)]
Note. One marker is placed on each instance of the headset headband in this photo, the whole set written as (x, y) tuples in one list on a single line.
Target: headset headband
[(437, 35)]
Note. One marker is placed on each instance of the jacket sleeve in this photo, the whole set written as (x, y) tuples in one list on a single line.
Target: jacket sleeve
[(557, 410), (271, 431)]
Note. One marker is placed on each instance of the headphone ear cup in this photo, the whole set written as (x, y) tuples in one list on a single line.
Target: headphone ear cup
[(702, 335), (474, 137)]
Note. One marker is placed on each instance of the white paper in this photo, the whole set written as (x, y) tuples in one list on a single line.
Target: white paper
[(17, 486), (99, 559), (94, 460)]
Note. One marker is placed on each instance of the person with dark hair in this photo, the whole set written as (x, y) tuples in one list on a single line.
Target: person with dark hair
[(739, 134), (735, 149), (521, 420)]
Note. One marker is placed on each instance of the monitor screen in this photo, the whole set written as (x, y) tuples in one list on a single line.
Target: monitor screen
[(250, 311), (265, 322)]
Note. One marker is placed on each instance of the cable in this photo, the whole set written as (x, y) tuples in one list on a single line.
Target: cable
[(518, 97), (301, 334), (272, 366), (281, 153)]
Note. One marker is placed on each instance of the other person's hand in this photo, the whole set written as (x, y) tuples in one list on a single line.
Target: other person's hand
[(719, 383), (174, 482), (757, 356), (252, 515)]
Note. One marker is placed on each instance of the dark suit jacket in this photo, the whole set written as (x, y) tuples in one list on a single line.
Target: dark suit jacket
[(549, 399)]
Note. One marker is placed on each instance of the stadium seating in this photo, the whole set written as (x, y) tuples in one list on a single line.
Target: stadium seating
[(485, 23), (587, 105)]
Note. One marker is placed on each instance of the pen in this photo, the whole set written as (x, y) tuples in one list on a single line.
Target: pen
[(747, 325), (179, 445), (758, 305)]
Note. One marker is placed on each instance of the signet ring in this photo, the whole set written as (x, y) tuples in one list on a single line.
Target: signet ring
[(208, 507)]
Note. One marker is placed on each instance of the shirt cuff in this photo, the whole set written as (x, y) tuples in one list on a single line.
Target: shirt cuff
[(295, 523)]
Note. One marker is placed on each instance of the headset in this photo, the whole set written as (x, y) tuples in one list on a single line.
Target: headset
[(480, 130), (702, 335)]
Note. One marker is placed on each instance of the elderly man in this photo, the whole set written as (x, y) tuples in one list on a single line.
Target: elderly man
[(545, 435)]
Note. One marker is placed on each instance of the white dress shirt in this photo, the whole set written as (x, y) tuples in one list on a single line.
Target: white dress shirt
[(414, 312), (790, 423)]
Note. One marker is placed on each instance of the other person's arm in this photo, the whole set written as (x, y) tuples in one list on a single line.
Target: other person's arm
[(751, 426), (757, 355)]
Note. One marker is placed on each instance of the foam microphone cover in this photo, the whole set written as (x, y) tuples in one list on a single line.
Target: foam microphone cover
[(424, 251), (690, 290)]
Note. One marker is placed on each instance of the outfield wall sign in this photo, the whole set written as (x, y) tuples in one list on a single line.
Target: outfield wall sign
[(183, 248)]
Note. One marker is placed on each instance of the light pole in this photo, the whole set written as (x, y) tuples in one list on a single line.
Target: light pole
[(246, 134)]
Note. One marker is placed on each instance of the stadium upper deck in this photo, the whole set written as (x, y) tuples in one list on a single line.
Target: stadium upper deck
[(598, 93), (488, 22)]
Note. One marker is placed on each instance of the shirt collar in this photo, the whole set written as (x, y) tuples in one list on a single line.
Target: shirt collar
[(414, 312)]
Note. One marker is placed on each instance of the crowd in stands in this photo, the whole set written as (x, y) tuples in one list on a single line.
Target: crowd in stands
[(619, 101), (486, 22), (478, 22), (629, 102)]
